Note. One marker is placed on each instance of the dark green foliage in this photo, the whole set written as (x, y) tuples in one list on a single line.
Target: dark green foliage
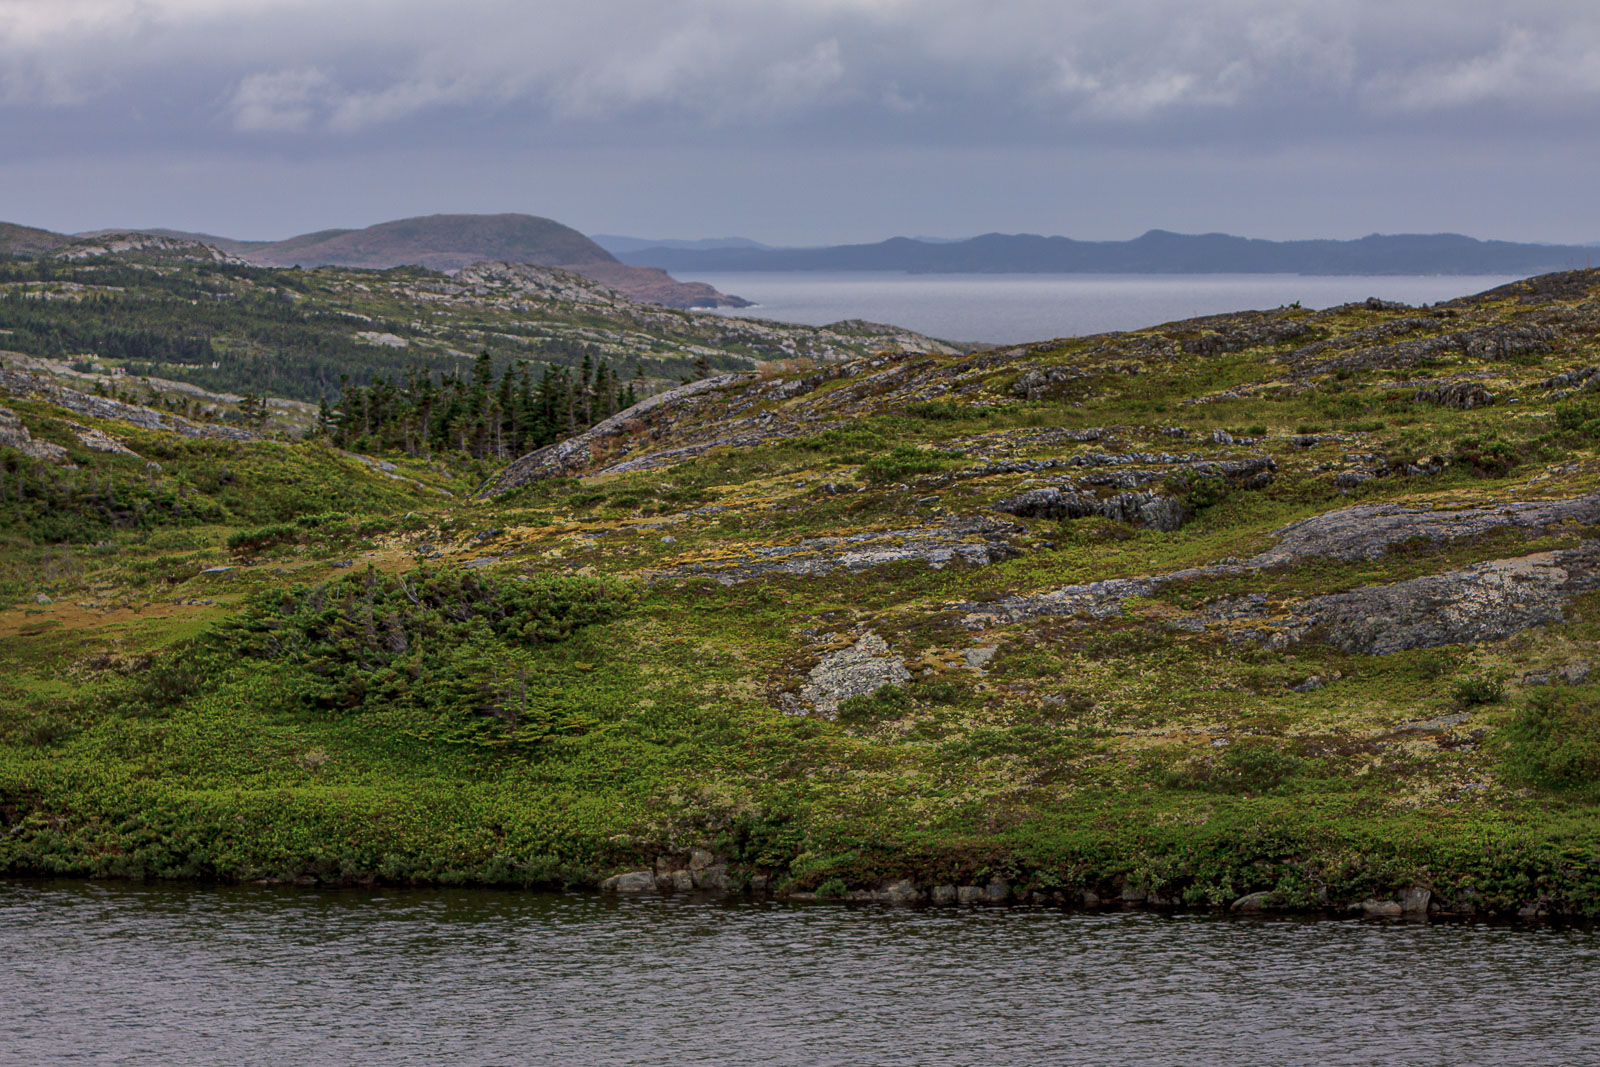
[(843, 440), (832, 889), (904, 462), (445, 643), (1554, 740), (1578, 420), (53, 504), (1199, 493), (1248, 766), (303, 530), (1486, 457), (421, 413), (1479, 689), (945, 410), (890, 701)]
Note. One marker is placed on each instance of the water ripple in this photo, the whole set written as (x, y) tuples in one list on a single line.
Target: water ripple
[(132, 974)]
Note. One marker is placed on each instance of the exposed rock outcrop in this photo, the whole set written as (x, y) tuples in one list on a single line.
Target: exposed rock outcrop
[(1485, 602), (1144, 509), (576, 454), (860, 670), (13, 434), (1350, 352), (1078, 499), (1463, 396), (973, 541), (100, 407), (1367, 531)]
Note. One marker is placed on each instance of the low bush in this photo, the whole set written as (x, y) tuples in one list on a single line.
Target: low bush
[(945, 410), (904, 462), (1554, 740), (1479, 689), (1486, 457), (448, 644), (890, 701)]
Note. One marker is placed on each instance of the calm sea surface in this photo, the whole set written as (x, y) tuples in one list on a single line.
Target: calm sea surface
[(160, 974), (1010, 308)]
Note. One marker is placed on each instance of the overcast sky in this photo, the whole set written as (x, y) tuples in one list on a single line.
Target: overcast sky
[(807, 121)]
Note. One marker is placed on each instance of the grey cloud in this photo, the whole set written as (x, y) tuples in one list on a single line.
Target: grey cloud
[(1080, 116), (291, 65)]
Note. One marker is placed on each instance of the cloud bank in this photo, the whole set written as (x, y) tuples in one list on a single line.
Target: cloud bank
[(316, 79), (277, 66)]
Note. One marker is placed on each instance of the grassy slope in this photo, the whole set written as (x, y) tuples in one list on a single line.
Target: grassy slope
[(1116, 755)]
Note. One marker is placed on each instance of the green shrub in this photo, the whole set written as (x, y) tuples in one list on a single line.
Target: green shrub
[(263, 537), (890, 701), (832, 889), (1554, 740), (1248, 766), (1486, 457), (1479, 689), (1578, 419), (1198, 493), (903, 462), (945, 410), (447, 644), (843, 439)]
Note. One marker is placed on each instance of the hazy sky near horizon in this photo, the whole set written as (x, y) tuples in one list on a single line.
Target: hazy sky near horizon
[(807, 121)]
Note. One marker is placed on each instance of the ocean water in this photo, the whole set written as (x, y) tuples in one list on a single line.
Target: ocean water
[(165, 975), (1012, 308)]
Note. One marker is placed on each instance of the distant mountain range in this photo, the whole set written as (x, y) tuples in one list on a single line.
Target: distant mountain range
[(1156, 252), (439, 242), (618, 245)]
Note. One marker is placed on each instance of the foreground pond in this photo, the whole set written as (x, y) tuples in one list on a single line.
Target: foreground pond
[(240, 975)]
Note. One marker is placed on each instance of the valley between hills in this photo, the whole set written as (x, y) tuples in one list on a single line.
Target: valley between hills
[(304, 579)]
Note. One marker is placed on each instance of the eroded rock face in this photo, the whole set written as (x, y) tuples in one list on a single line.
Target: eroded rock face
[(100, 407), (96, 441), (975, 542), (1463, 396), (13, 434), (1095, 600), (1355, 351), (1485, 602), (1144, 509), (1078, 499), (859, 670), (1366, 531), (577, 453)]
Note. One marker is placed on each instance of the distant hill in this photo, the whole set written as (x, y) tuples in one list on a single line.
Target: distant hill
[(228, 244), (618, 245), (26, 241), (439, 242), (450, 242), (1156, 252)]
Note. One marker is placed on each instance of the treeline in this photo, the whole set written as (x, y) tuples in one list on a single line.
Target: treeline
[(485, 417), (192, 327)]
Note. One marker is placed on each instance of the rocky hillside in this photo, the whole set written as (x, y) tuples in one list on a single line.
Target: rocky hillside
[(450, 242), (137, 307), (1286, 609), (437, 242)]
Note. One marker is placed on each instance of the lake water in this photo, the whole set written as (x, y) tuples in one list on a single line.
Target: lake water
[(1011, 308), (165, 974)]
